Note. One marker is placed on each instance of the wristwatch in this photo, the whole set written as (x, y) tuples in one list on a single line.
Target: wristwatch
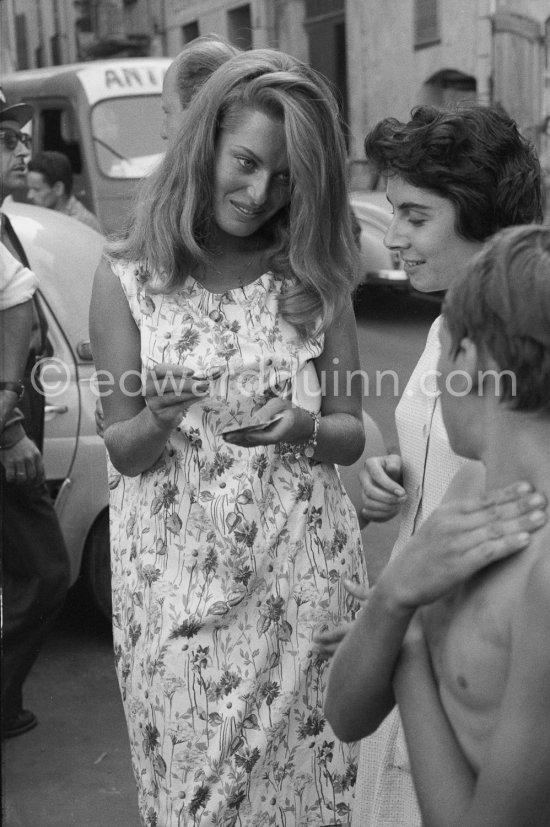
[(16, 387)]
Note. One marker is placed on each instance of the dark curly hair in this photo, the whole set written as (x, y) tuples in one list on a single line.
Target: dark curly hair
[(474, 156)]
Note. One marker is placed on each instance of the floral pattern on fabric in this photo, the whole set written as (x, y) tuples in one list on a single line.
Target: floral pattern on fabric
[(225, 560)]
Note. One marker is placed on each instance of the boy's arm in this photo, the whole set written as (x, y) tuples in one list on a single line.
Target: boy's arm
[(513, 786)]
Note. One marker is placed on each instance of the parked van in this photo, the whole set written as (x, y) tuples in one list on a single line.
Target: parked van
[(105, 116)]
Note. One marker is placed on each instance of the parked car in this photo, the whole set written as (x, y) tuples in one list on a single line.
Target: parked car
[(379, 266), (64, 254)]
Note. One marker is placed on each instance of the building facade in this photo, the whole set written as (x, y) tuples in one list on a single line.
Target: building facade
[(406, 52), (382, 56), (386, 56)]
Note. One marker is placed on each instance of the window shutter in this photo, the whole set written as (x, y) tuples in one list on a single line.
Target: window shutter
[(426, 23), (320, 8)]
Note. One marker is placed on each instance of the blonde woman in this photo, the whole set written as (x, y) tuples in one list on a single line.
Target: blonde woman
[(227, 303)]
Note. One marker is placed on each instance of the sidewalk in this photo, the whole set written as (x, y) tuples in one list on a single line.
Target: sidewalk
[(74, 769)]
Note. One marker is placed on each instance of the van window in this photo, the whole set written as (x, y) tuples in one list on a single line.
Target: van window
[(125, 132), (59, 134)]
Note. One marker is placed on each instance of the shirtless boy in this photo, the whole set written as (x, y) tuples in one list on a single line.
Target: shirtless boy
[(466, 624)]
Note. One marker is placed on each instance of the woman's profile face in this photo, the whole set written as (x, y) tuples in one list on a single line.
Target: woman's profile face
[(251, 173), (423, 231)]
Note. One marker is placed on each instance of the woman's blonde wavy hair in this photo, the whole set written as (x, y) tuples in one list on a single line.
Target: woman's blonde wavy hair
[(311, 239)]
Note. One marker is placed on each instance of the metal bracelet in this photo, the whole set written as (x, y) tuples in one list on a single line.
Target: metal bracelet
[(306, 448)]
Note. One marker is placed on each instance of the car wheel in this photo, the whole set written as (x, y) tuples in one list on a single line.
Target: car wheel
[(96, 565)]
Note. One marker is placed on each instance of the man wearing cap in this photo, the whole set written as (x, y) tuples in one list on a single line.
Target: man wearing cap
[(35, 566)]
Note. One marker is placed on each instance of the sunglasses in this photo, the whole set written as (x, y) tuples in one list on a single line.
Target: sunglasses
[(10, 138)]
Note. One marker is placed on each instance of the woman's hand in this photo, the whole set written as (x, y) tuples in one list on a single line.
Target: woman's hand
[(169, 390), (460, 538), (381, 488), (326, 641), (295, 425)]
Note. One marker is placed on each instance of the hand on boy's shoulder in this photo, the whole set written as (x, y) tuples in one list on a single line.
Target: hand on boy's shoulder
[(472, 529)]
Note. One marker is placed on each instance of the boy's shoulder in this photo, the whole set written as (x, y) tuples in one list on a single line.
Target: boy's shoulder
[(537, 587), (468, 482)]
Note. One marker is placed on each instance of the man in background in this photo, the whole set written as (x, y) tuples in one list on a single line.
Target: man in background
[(35, 564), (50, 184), (186, 74)]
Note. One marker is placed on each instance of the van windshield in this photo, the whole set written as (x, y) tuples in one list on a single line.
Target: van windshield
[(126, 135)]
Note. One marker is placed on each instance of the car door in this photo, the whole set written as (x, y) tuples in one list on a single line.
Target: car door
[(59, 380), (64, 254)]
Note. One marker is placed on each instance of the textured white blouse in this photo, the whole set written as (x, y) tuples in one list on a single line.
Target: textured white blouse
[(384, 795)]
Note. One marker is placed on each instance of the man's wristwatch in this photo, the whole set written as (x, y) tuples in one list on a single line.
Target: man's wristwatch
[(16, 387)]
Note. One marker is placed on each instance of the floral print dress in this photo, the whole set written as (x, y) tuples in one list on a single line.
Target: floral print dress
[(225, 560)]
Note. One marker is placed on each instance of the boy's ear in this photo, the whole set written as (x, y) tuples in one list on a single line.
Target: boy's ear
[(59, 188), (467, 357), (467, 362)]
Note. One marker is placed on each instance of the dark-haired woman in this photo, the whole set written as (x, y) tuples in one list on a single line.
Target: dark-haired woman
[(454, 178)]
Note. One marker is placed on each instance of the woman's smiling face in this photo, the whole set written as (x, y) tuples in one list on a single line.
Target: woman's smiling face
[(251, 179), (423, 231)]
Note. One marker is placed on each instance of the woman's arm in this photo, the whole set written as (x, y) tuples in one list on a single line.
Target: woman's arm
[(360, 693), (138, 421), (340, 438)]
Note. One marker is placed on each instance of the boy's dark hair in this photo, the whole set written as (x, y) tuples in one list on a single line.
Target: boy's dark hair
[(54, 166), (502, 303), (474, 156)]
